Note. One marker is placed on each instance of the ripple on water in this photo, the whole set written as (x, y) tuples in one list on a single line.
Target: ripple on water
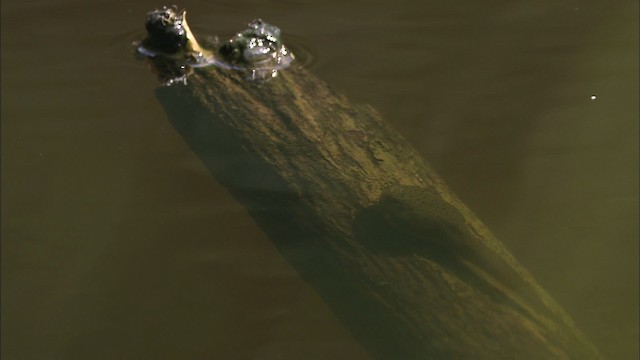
[(123, 44), (305, 54)]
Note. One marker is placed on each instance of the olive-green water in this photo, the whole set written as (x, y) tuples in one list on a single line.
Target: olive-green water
[(118, 244)]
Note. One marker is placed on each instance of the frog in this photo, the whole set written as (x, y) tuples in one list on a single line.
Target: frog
[(257, 50)]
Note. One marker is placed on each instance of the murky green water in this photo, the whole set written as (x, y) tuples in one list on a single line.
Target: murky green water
[(118, 244)]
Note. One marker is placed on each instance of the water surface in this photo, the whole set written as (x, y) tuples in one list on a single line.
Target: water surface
[(117, 243)]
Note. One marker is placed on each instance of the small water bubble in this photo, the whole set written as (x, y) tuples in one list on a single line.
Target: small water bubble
[(593, 97)]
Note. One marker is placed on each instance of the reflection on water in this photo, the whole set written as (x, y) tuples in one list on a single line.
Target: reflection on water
[(117, 243)]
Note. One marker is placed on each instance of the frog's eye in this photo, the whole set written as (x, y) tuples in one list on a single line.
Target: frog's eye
[(256, 23)]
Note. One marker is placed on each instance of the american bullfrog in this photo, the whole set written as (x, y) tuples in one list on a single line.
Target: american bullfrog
[(258, 50)]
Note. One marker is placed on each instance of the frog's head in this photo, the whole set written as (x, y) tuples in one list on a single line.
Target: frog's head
[(259, 42), (257, 50)]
